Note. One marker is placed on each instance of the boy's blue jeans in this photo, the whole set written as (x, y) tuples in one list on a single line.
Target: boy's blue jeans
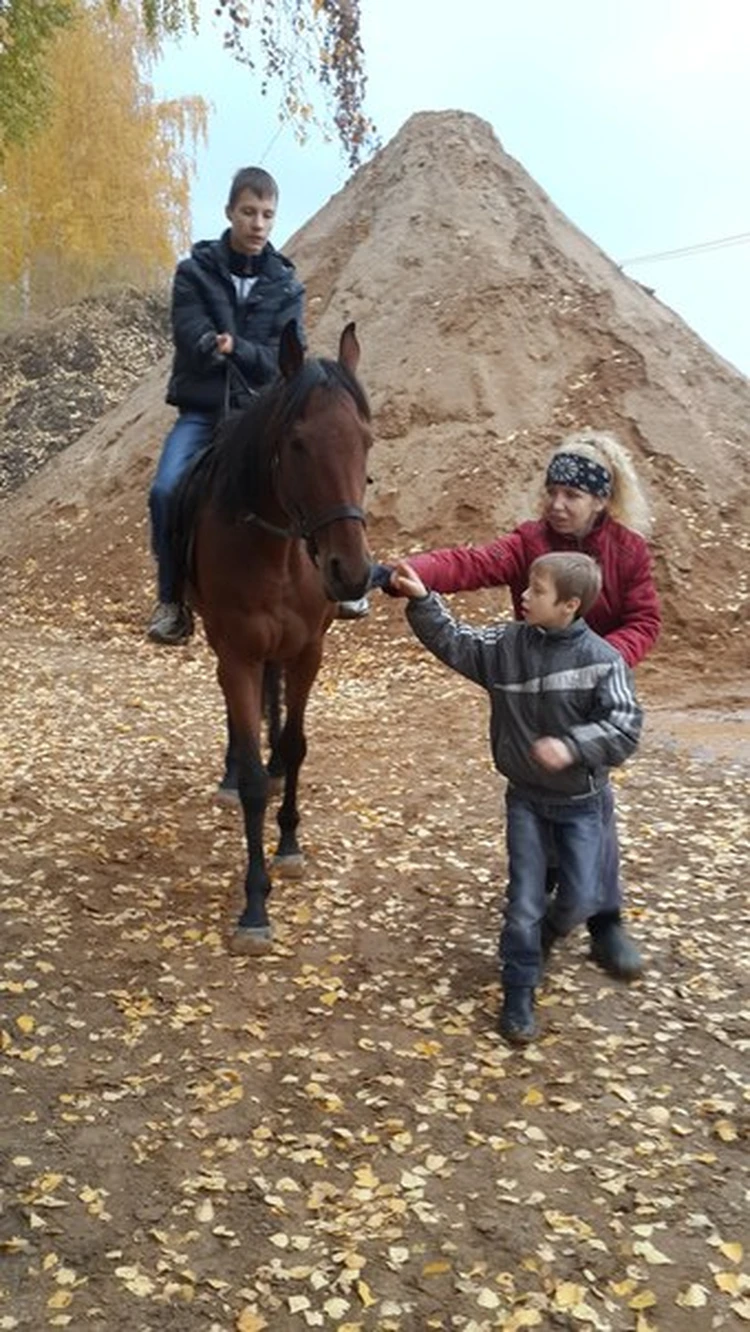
[(610, 888), (576, 832), (189, 436)]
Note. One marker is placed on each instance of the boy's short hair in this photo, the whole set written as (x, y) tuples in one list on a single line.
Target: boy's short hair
[(256, 180), (573, 574)]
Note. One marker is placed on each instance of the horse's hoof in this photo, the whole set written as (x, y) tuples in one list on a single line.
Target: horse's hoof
[(250, 940), (289, 867), (227, 798)]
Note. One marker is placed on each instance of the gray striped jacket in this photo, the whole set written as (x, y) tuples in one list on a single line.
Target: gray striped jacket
[(566, 683)]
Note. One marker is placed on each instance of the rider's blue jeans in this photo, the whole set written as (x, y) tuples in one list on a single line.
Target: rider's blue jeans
[(575, 832), (189, 436)]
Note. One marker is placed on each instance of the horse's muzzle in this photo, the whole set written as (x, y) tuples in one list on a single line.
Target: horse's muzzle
[(345, 579)]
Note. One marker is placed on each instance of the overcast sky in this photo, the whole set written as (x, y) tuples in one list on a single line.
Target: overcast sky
[(635, 119)]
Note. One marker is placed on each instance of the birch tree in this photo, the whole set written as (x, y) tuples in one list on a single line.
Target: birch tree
[(295, 48), (100, 195)]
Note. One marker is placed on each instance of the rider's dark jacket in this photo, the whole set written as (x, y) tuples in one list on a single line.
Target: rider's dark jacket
[(211, 294)]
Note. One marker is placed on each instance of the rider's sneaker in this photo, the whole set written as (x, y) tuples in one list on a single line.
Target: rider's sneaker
[(170, 623), (353, 610)]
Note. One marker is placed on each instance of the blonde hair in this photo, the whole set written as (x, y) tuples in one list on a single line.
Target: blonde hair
[(627, 503)]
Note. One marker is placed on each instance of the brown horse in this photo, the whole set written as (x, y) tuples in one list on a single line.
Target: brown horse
[(270, 536)]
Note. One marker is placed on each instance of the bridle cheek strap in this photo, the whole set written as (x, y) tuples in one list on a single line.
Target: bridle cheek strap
[(304, 529)]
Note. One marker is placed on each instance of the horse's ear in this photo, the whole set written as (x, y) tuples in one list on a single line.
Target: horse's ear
[(291, 350), (349, 349)]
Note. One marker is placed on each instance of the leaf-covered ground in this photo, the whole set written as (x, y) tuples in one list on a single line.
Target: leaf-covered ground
[(334, 1136)]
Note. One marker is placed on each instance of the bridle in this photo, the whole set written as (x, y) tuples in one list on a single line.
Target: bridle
[(304, 529), (301, 527)]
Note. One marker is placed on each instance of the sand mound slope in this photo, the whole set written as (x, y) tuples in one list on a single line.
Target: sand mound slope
[(490, 325)]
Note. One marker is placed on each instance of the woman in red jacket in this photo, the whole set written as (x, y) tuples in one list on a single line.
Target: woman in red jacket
[(594, 503)]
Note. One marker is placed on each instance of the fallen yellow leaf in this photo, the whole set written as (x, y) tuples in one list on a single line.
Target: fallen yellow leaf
[(436, 1268), (732, 1250), (695, 1297), (365, 1294), (60, 1300), (250, 1321), (568, 1294), (725, 1129), (728, 1282), (533, 1097), (645, 1299)]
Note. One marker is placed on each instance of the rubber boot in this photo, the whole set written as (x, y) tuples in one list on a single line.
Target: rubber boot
[(548, 938), (517, 1023), (612, 948)]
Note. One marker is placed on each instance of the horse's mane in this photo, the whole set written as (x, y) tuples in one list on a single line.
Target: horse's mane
[(234, 473)]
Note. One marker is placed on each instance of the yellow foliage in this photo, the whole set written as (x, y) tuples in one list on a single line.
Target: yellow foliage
[(100, 195)]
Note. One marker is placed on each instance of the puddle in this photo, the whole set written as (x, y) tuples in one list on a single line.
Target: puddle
[(707, 733)]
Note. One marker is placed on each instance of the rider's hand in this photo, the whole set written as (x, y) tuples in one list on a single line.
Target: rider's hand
[(224, 344)]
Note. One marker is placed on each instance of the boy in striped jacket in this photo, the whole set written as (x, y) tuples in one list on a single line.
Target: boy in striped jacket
[(562, 713)]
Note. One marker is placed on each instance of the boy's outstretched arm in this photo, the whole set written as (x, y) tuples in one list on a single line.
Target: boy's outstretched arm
[(475, 653)]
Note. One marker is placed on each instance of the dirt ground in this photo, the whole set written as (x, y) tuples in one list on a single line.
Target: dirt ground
[(334, 1135)]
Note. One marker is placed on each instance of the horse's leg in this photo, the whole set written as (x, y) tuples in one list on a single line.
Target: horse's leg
[(299, 677), (272, 710), (227, 792), (243, 687)]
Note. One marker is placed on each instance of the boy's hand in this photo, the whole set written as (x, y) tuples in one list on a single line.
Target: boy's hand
[(406, 581), (551, 753)]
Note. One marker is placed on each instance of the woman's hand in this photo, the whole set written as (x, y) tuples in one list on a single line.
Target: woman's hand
[(224, 344)]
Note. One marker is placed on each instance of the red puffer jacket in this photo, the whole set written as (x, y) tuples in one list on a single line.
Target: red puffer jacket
[(627, 611)]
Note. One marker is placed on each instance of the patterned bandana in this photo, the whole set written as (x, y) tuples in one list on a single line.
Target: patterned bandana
[(572, 469)]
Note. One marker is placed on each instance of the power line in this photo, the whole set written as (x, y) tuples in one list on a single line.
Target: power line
[(273, 139), (722, 243)]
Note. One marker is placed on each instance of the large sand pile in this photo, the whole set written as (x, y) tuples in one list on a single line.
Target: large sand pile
[(490, 325)]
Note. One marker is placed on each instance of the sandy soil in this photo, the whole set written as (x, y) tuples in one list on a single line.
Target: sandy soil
[(334, 1135)]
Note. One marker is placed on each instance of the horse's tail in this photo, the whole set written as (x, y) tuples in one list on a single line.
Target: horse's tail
[(273, 702)]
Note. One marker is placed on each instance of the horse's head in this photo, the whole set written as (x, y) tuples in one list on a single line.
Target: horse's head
[(321, 460)]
